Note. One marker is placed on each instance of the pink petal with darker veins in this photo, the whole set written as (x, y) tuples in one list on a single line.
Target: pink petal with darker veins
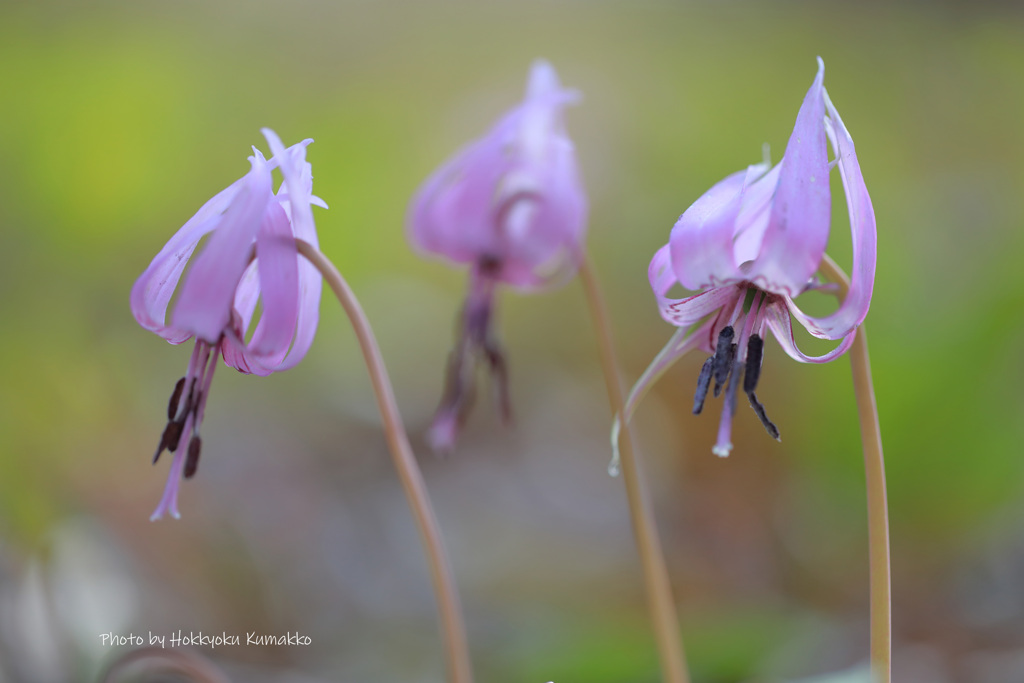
[(688, 310), (781, 324)]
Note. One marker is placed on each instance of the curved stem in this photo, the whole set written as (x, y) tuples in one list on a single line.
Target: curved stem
[(660, 603), (452, 627), (878, 513)]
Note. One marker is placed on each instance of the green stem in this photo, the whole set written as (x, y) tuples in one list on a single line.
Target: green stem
[(878, 513), (660, 603), (452, 627)]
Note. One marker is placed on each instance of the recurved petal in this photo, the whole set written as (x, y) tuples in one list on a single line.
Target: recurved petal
[(701, 242), (247, 294), (798, 225), (279, 283), (298, 181), (153, 290), (778, 319), (679, 345), (538, 120), (855, 306), (543, 81), (205, 304), (688, 310)]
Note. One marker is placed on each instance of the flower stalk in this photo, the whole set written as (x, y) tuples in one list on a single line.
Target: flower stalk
[(450, 613), (874, 471), (660, 603)]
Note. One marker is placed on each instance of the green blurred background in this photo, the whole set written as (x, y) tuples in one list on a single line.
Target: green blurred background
[(118, 120)]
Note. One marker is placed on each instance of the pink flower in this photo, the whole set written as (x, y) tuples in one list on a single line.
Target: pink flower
[(751, 245), (250, 255), (510, 206)]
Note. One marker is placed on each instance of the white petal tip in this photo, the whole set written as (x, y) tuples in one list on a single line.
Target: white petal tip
[(614, 469)]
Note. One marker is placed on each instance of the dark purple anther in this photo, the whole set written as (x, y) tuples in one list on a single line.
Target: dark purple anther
[(703, 382)]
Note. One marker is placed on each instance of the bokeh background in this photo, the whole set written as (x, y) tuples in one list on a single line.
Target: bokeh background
[(118, 120)]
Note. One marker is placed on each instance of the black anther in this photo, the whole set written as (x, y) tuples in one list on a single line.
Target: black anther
[(192, 458), (722, 364), (755, 353), (172, 407), (703, 382)]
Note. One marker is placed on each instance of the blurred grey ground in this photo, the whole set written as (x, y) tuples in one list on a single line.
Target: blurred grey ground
[(119, 120)]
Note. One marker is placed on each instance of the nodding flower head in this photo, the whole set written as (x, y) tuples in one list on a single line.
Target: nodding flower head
[(750, 246), (249, 257), (510, 206)]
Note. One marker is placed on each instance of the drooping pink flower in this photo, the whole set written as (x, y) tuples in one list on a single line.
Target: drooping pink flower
[(750, 246), (249, 256), (511, 207)]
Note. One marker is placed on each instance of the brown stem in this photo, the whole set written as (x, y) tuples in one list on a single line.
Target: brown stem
[(452, 627), (660, 603), (874, 470)]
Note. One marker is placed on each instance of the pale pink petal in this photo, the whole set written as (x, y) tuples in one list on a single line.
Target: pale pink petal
[(778, 319), (797, 231), (688, 310), (513, 197), (232, 348), (538, 121), (854, 308), (701, 243), (298, 181), (755, 210), (543, 83), (153, 290), (204, 305), (247, 294), (543, 233), (452, 214), (279, 283)]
